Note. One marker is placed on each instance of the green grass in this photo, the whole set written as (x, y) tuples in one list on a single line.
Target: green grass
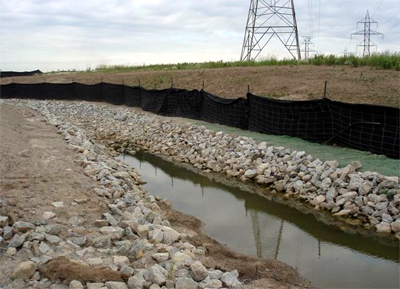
[(386, 60)]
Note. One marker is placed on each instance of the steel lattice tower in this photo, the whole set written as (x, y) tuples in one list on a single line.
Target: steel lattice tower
[(268, 19), (367, 33), (307, 43)]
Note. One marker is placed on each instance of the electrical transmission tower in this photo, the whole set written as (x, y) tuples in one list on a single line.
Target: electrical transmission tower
[(268, 19), (367, 33), (307, 50)]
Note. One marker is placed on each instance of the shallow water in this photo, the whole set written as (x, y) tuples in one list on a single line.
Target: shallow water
[(251, 224)]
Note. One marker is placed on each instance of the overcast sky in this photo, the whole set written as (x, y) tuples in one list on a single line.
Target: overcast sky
[(68, 34)]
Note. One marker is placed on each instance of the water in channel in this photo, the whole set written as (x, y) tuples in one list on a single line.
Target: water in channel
[(251, 224)]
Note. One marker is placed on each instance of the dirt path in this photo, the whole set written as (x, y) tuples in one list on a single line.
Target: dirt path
[(348, 84), (36, 169)]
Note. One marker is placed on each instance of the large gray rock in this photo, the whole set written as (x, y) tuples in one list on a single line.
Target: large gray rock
[(24, 270), (348, 196), (210, 283), (230, 279), (250, 174), (383, 227), (185, 283), (52, 239), (137, 281), (75, 284), (199, 272), (16, 241), (7, 232), (3, 221), (215, 274), (395, 226), (53, 229), (326, 183), (94, 285), (23, 226), (116, 285), (160, 257), (157, 275), (387, 218), (102, 242), (170, 235), (355, 182), (156, 236)]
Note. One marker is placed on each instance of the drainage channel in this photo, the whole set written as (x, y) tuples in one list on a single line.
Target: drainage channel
[(251, 224)]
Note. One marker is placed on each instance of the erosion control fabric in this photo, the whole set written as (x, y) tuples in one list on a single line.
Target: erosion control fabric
[(364, 127), (4, 74)]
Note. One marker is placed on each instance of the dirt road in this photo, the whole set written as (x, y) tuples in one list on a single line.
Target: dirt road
[(348, 84)]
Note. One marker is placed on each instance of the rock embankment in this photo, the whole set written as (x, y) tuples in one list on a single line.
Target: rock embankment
[(133, 246), (368, 198)]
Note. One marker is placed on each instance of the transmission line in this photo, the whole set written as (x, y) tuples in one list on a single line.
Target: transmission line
[(376, 9), (319, 21), (392, 27)]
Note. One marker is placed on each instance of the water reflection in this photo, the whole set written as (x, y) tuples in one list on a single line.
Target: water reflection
[(251, 224)]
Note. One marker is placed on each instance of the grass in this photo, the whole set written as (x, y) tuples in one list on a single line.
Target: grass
[(386, 60)]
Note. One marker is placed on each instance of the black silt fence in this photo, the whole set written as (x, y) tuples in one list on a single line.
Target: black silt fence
[(59, 91), (366, 127), (113, 93), (7, 90), (87, 92), (183, 103), (132, 96), (35, 91), (304, 119), (230, 112), (153, 100)]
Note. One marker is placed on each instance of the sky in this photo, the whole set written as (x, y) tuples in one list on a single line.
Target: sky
[(71, 34)]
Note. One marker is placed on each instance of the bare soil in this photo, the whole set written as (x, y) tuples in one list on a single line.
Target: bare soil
[(37, 168), (348, 84)]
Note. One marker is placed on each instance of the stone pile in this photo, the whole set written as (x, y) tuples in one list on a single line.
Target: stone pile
[(369, 197), (132, 239)]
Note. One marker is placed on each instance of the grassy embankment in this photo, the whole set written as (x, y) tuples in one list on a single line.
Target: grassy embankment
[(380, 60)]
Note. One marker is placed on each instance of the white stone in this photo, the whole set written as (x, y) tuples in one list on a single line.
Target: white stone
[(199, 272), (48, 215), (383, 227), (58, 204), (75, 284), (395, 226), (116, 285)]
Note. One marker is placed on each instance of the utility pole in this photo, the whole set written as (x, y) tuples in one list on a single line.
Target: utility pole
[(307, 43), (367, 33), (269, 19)]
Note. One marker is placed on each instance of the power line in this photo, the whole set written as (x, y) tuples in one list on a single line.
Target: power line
[(390, 19), (392, 27), (319, 21), (377, 7), (389, 31)]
